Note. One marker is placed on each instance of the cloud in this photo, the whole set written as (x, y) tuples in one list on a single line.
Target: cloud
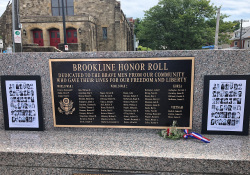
[(237, 9), (3, 5), (136, 8)]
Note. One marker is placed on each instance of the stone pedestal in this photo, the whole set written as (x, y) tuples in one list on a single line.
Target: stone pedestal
[(72, 150)]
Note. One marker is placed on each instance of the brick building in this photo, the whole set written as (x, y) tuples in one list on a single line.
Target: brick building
[(91, 25)]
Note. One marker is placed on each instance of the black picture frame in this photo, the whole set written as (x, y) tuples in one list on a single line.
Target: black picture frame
[(22, 102), (226, 104)]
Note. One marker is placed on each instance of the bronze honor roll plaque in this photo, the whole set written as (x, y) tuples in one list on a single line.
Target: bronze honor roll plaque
[(122, 92)]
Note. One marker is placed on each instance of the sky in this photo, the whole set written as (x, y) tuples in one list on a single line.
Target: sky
[(237, 9)]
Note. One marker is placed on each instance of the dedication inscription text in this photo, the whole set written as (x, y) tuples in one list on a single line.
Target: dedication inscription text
[(128, 93)]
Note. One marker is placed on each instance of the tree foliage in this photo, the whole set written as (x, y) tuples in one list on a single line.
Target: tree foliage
[(140, 48), (226, 28), (179, 25)]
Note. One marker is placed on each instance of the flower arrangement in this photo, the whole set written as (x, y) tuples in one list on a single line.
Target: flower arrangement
[(175, 134), (172, 132)]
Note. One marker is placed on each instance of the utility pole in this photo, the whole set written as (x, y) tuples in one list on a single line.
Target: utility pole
[(13, 25), (241, 21), (217, 30), (64, 25)]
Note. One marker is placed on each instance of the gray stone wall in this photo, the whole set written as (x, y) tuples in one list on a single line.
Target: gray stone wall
[(207, 62)]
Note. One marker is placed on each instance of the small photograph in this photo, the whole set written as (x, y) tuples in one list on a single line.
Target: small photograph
[(238, 107), (217, 100), (221, 107), (222, 86), (232, 122), (213, 100), (14, 119), (219, 122), (217, 115), (225, 114), (33, 106), (225, 108), (17, 86), (237, 115), (226, 93), (235, 86), (231, 86), (212, 121), (238, 100), (239, 93), (11, 86), (233, 114), (235, 94), (212, 115), (231, 93), (22, 119), (216, 87), (25, 99), (218, 93), (214, 94), (237, 122), (21, 93), (13, 99), (234, 100), (221, 101), (225, 100), (240, 86), (224, 122), (30, 119)]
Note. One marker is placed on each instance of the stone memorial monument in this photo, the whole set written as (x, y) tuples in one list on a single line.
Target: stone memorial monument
[(102, 111)]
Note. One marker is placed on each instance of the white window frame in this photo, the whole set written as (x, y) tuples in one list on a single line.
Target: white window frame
[(235, 43)]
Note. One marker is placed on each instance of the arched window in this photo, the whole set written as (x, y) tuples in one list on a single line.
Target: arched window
[(56, 6), (104, 33)]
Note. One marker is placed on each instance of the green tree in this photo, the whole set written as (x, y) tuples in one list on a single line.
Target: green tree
[(140, 48), (177, 25), (226, 28)]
